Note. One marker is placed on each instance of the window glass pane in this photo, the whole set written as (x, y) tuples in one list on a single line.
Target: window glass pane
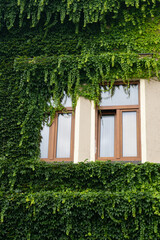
[(67, 101), (64, 135), (44, 142), (107, 136), (129, 121), (122, 96)]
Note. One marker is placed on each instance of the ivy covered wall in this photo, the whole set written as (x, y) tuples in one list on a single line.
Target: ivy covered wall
[(85, 201), (51, 47)]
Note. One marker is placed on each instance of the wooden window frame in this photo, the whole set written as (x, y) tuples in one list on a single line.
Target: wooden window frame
[(118, 138), (52, 146)]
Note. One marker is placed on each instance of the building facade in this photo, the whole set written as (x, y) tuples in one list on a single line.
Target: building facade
[(124, 127)]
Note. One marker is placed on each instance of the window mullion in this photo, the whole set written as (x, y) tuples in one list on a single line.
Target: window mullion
[(52, 139)]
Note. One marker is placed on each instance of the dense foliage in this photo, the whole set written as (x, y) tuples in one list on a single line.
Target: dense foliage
[(25, 176), (79, 201), (80, 215), (48, 48), (43, 62), (76, 10)]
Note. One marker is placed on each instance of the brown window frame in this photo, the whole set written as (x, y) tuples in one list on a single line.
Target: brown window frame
[(118, 138), (52, 145)]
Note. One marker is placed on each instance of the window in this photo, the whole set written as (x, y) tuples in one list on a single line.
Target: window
[(57, 140), (118, 124)]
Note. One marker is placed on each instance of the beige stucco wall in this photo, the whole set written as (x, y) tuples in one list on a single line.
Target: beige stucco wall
[(84, 131), (84, 146), (152, 114)]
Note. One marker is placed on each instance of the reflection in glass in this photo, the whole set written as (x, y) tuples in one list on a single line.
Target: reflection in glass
[(129, 121), (44, 142), (122, 96), (64, 135), (66, 102), (107, 136)]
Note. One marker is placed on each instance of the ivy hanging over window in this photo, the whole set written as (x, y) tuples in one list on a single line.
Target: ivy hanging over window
[(91, 11), (42, 56)]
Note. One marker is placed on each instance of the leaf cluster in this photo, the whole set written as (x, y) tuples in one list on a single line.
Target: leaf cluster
[(79, 201), (44, 62), (20, 12), (32, 175)]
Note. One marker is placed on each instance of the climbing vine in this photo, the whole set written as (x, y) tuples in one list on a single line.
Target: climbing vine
[(48, 49), (98, 69), (42, 58), (101, 200), (74, 10)]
